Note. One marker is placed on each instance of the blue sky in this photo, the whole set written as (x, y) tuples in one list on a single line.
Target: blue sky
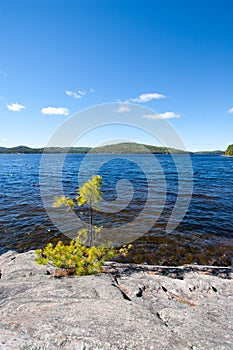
[(62, 56)]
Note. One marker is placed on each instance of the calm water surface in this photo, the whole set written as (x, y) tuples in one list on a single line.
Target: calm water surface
[(205, 235)]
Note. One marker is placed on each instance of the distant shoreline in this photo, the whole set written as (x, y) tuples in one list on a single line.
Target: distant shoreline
[(121, 148)]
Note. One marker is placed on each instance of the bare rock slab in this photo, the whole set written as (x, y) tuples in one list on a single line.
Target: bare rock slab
[(136, 310)]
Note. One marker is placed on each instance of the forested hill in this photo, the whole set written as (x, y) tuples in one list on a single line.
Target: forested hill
[(217, 152), (28, 150), (229, 151), (120, 148), (133, 147)]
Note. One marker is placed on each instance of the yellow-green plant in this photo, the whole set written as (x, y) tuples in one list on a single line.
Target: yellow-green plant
[(77, 258), (80, 256), (88, 195)]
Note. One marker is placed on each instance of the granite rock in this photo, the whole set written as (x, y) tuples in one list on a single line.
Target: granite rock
[(114, 310)]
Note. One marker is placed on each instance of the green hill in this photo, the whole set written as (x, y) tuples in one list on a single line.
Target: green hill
[(133, 147), (217, 152), (120, 148), (21, 149), (53, 150), (229, 151)]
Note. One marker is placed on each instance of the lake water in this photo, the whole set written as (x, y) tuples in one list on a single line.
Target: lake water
[(204, 236)]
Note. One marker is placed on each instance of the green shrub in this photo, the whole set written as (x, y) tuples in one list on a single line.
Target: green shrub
[(76, 258)]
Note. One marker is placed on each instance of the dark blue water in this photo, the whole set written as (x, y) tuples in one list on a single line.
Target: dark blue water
[(204, 236)]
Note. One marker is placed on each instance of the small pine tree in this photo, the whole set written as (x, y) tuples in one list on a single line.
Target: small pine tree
[(88, 195), (79, 258)]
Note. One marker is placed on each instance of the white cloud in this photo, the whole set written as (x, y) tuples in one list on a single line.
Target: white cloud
[(143, 98), (4, 139), (92, 90), (15, 107), (166, 115), (55, 110), (230, 110), (74, 94), (123, 108)]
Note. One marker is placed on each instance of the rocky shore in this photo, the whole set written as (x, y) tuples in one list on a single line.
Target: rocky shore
[(127, 307)]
